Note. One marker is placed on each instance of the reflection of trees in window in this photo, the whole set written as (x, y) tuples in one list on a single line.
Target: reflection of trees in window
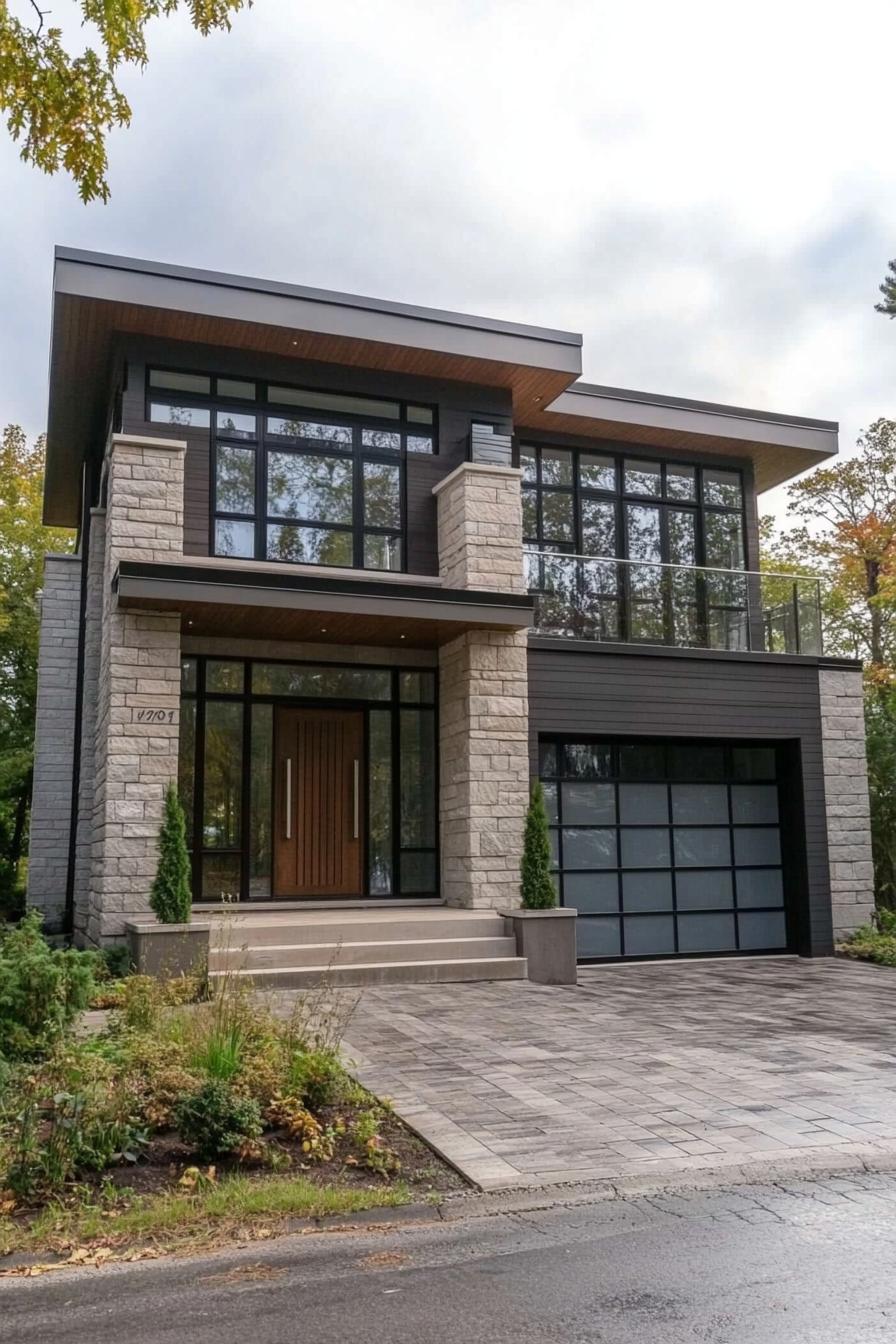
[(379, 793), (223, 774), (235, 479), (314, 488)]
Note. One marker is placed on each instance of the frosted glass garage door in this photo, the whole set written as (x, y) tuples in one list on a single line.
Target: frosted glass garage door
[(667, 849)]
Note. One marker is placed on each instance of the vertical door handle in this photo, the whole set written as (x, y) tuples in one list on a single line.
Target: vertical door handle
[(356, 798), (288, 798)]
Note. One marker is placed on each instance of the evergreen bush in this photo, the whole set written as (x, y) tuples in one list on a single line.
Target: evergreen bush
[(169, 895), (537, 887), (42, 989)]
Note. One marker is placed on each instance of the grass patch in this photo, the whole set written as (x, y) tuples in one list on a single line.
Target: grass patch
[(191, 1219)]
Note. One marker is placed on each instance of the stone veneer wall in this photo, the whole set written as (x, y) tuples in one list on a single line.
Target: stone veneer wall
[(51, 798), (93, 615), (138, 690), (846, 798), (483, 695)]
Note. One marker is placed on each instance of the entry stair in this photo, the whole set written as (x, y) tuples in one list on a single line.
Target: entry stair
[(295, 949)]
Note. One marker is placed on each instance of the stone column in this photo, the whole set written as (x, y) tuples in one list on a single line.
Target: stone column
[(846, 798), (57, 679), (138, 690), (483, 694), (93, 618)]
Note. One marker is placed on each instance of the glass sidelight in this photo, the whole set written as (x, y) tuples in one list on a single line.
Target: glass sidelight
[(233, 783)]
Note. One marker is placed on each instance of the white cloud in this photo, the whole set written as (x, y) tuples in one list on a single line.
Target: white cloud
[(699, 190)]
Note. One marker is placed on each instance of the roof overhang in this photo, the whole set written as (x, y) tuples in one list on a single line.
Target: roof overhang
[(779, 446), (256, 601), (96, 297)]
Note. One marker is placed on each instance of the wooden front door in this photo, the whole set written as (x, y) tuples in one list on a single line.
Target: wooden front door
[(318, 802)]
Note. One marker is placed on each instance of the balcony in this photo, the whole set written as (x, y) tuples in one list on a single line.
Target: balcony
[(682, 606)]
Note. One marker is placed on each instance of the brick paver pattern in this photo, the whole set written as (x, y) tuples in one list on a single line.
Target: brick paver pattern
[(639, 1069)]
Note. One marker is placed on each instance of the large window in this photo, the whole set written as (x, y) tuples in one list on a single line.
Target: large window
[(298, 474), (226, 764), (651, 514)]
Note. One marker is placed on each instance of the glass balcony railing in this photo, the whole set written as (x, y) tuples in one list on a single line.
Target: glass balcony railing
[(685, 606)]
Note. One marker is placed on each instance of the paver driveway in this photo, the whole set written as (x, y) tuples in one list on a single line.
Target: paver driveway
[(647, 1069)]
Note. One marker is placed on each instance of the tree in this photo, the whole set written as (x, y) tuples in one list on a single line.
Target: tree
[(888, 289), (848, 535), (536, 885), (62, 106), (169, 895), (23, 543)]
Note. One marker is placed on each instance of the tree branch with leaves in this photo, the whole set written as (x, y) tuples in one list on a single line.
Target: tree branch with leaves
[(62, 106)]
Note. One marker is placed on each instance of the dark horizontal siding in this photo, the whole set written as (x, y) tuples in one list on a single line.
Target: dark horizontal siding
[(633, 696), (458, 405)]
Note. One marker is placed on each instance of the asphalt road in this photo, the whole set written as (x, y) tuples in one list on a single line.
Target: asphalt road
[(807, 1261)]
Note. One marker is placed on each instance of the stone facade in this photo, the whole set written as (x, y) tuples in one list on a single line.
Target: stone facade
[(483, 695), (846, 798), (93, 614), (481, 528), (57, 680), (138, 690)]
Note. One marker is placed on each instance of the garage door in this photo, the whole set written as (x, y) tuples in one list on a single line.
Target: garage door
[(667, 849)]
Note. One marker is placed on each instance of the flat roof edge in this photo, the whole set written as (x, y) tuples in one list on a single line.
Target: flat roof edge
[(333, 298), (689, 404)]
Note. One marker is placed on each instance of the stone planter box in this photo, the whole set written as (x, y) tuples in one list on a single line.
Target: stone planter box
[(547, 939), (167, 951)]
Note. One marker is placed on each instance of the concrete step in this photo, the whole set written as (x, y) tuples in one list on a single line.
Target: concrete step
[(356, 953), (383, 973), (263, 930)]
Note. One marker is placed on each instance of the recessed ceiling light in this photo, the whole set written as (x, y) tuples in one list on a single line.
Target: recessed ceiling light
[(323, 629), (402, 636)]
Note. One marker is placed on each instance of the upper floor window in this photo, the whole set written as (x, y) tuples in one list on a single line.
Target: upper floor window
[(300, 474), (631, 508)]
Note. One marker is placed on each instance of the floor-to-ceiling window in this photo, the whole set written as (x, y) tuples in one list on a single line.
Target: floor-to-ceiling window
[(678, 527), (298, 474), (226, 770)]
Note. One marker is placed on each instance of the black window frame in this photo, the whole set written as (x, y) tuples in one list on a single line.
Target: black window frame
[(625, 603), (667, 778), (200, 695), (264, 443)]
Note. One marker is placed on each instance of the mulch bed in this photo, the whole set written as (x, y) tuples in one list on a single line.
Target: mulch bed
[(166, 1158)]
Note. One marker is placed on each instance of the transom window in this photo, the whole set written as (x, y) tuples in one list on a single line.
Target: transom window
[(301, 475), (649, 513)]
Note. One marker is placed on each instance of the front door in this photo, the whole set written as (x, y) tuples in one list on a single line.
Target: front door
[(318, 804)]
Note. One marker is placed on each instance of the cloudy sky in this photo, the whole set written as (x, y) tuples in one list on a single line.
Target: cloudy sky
[(704, 191)]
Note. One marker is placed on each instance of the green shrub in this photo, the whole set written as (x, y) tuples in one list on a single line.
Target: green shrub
[(317, 1077), (70, 1116), (169, 895), (215, 1120), (886, 921), (116, 961), (42, 989), (536, 885), (874, 942)]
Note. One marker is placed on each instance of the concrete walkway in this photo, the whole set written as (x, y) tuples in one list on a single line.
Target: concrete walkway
[(640, 1069)]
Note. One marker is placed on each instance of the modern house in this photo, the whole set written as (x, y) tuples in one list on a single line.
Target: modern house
[(355, 572)]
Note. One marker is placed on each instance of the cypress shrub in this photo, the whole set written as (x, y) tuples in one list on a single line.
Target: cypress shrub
[(169, 895), (537, 888)]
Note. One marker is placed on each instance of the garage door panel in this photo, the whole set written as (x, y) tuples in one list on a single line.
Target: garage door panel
[(667, 848)]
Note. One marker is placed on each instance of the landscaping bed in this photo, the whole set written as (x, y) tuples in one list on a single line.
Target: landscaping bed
[(181, 1122), (875, 942)]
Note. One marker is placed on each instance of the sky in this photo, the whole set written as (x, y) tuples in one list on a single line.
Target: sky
[(704, 191)]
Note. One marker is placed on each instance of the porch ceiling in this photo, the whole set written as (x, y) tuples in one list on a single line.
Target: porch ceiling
[(261, 603)]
